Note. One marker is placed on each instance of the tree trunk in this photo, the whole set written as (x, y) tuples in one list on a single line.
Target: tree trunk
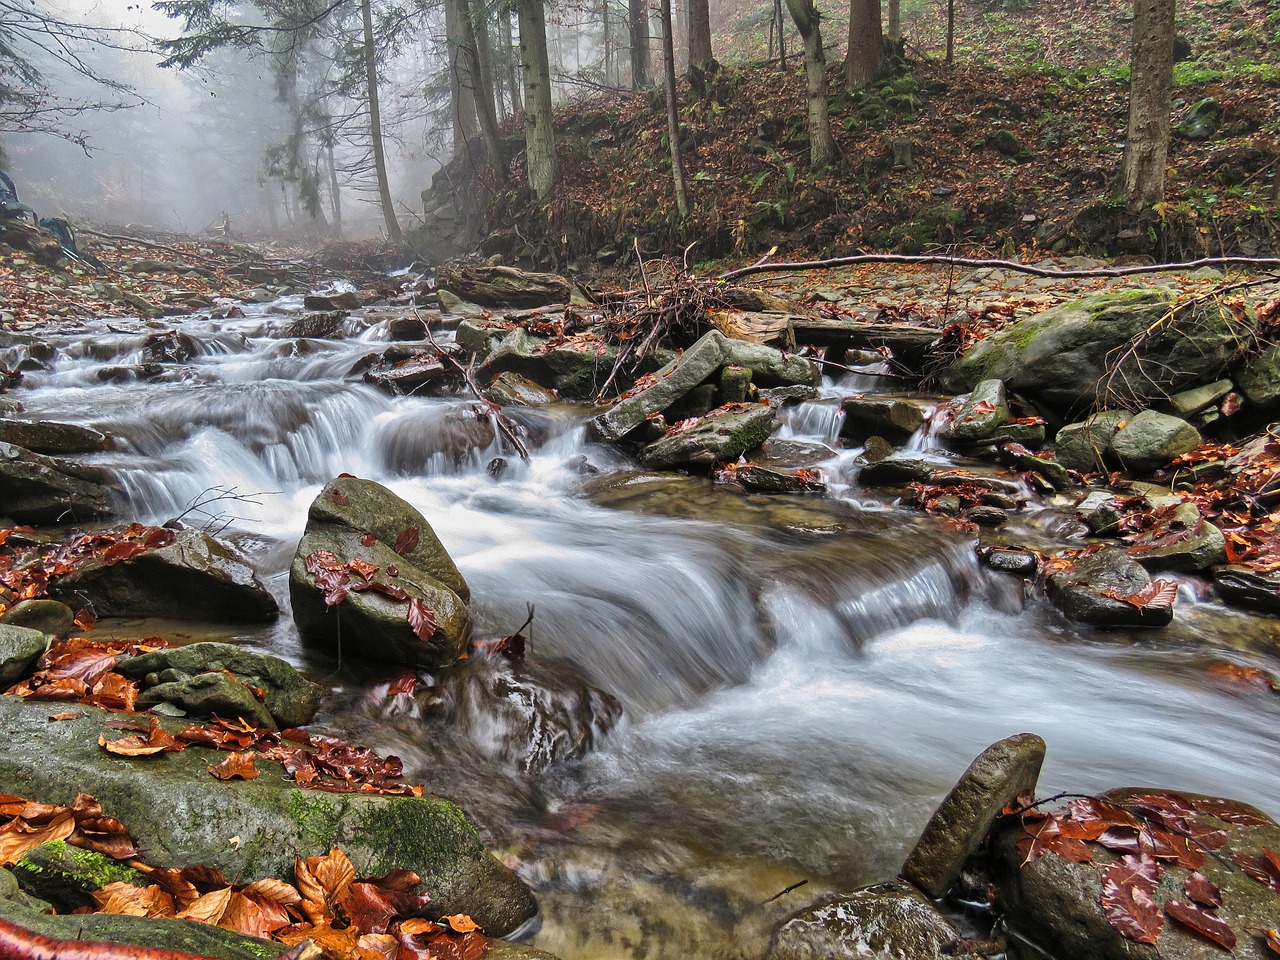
[(638, 27), (475, 31), (1146, 147), (700, 57), (461, 85), (540, 147), (335, 194), (822, 147), (673, 116), (951, 31), (866, 44), (895, 20), (782, 35), (513, 65), (375, 127)]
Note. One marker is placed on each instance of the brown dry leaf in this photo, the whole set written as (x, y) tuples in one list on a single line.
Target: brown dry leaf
[(377, 946), (65, 715), (275, 890), (236, 766), (417, 925), (127, 900), (336, 944), (335, 874), (246, 916), (460, 923), (17, 838), (210, 908)]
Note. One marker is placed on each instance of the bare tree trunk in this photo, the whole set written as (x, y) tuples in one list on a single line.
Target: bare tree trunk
[(822, 147), (461, 85), (700, 57), (513, 65), (638, 26), (895, 20), (866, 44), (475, 31), (540, 146), (335, 194), (782, 35), (951, 31), (606, 41), (1146, 148), (375, 127), (673, 116)]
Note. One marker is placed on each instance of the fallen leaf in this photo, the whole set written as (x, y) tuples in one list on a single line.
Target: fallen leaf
[(1206, 924), (209, 908), (1128, 898), (1202, 890), (237, 766), (407, 542), (422, 619), (460, 923)]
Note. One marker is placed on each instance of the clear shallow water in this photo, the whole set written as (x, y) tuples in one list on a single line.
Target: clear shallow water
[(802, 678)]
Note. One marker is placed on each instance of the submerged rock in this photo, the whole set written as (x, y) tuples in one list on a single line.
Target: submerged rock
[(356, 522), (194, 577), (890, 921), (181, 816)]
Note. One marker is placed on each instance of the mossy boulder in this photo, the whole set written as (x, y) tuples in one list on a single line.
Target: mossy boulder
[(64, 875), (721, 436), (181, 816), (362, 521), (1086, 446), (50, 617), (979, 415), (575, 371), (20, 648), (195, 577), (1124, 348), (1091, 591), (1151, 439)]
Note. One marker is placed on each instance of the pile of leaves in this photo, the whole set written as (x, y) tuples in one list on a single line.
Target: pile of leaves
[(346, 917), (25, 572), (81, 670), (1144, 836)]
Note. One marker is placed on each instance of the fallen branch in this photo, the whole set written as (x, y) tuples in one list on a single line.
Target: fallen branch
[(19, 943), (1261, 263), (150, 244)]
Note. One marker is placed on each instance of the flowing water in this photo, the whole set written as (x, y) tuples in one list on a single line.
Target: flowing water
[(801, 678)]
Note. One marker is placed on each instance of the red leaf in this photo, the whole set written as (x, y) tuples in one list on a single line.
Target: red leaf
[(85, 620), (1128, 900), (368, 540), (1202, 890), (1265, 869), (362, 568), (408, 540), (422, 619), (339, 498), (1272, 939), (1229, 811), (1157, 595), (1202, 922), (119, 552), (236, 766)]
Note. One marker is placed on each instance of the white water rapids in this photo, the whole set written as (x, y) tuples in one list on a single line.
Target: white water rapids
[(803, 679)]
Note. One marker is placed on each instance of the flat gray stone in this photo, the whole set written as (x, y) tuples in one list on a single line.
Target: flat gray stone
[(1152, 439)]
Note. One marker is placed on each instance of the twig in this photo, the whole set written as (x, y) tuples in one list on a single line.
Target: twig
[(648, 294), (500, 419), (1014, 265), (782, 893)]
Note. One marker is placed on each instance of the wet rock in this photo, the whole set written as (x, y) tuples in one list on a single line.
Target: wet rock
[(771, 367), (46, 436), (1004, 771), (889, 417), (169, 347), (274, 819), (1257, 589), (1081, 592), (671, 383), (1187, 542), (1020, 458), (1259, 380), (979, 414), (321, 325), (207, 695), (525, 713), (1071, 356), (188, 936), (511, 389), (64, 875), (987, 515), (289, 698), (20, 648), (195, 577), (1193, 401), (1086, 446), (407, 328), (896, 472), (574, 371), (1152, 439), (722, 436), (892, 921), (50, 617), (781, 396), (1100, 511), (348, 300), (406, 377), (39, 489), (1057, 903), (876, 449), (479, 335), (500, 286), (1022, 563), (761, 479), (359, 520)]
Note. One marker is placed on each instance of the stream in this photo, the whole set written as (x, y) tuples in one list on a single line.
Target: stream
[(801, 678)]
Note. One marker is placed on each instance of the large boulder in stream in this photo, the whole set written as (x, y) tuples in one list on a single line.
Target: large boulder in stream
[(1208, 850), (500, 286), (371, 579), (1094, 589), (191, 577), (1127, 347), (39, 489), (722, 436), (181, 816), (575, 370), (49, 437)]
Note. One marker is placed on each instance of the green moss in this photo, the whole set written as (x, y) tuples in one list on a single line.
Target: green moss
[(86, 869)]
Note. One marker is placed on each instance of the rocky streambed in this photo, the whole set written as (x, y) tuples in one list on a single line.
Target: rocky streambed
[(734, 634)]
